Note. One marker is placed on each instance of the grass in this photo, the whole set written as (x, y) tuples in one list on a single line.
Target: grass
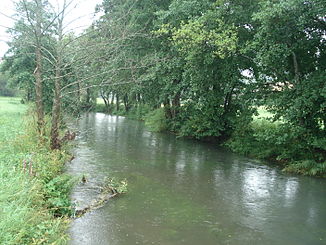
[(25, 217), (11, 112), (100, 101), (262, 113)]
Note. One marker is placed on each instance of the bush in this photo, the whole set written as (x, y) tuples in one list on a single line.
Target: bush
[(156, 120), (101, 108), (57, 195), (281, 142), (139, 112), (307, 167)]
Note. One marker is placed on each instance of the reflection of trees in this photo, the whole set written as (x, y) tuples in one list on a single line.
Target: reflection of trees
[(242, 196)]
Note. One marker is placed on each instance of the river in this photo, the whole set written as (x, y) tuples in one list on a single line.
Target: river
[(182, 191)]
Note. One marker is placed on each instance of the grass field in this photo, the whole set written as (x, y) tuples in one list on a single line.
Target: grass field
[(99, 101), (11, 112), (24, 217)]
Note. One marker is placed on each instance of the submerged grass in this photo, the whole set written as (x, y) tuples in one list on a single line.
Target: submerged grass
[(27, 169)]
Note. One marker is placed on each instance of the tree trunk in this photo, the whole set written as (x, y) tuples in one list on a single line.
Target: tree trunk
[(78, 92), (167, 108), (118, 102), (126, 102), (112, 98), (88, 97), (176, 104), (139, 100), (39, 91), (296, 67), (29, 94), (56, 108), (106, 100)]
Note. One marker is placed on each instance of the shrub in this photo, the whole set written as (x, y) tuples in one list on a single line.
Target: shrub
[(307, 167), (57, 195), (156, 120), (282, 142), (138, 112)]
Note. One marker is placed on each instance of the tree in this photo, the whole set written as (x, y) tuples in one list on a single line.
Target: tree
[(32, 30), (290, 52)]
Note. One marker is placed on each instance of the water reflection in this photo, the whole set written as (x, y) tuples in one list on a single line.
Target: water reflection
[(291, 188), (257, 183), (187, 192)]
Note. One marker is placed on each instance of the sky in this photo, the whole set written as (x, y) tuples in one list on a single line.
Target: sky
[(81, 14)]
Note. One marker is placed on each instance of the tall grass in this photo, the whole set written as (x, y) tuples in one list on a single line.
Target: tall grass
[(25, 217)]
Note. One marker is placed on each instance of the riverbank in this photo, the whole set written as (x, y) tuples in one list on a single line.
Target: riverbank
[(264, 139), (34, 193)]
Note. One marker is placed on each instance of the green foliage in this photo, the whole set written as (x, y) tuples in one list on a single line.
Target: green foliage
[(193, 71), (195, 67), (139, 112), (196, 35), (205, 65), (289, 37), (25, 217), (307, 167), (277, 141), (102, 108), (156, 120), (5, 90), (198, 123), (116, 186), (261, 138), (57, 195)]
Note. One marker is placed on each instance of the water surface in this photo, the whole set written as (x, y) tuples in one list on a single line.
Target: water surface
[(187, 192)]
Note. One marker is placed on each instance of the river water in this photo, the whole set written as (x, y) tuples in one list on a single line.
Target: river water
[(182, 191)]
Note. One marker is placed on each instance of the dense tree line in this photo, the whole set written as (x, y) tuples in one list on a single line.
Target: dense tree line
[(204, 67), (199, 68)]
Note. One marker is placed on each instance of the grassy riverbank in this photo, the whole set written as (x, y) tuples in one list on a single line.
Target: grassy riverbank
[(34, 197)]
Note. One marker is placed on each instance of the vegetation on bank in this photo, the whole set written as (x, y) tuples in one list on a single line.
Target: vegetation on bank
[(208, 65), (34, 197), (281, 143), (262, 138), (199, 68)]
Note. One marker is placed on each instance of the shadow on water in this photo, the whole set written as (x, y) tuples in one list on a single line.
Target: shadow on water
[(186, 192)]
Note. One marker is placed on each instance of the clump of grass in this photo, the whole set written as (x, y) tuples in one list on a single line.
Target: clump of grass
[(307, 167), (156, 120), (26, 197)]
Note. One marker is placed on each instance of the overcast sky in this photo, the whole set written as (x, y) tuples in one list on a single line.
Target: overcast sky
[(81, 14)]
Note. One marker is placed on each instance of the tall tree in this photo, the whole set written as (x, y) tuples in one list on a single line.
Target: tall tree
[(290, 52), (33, 28)]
